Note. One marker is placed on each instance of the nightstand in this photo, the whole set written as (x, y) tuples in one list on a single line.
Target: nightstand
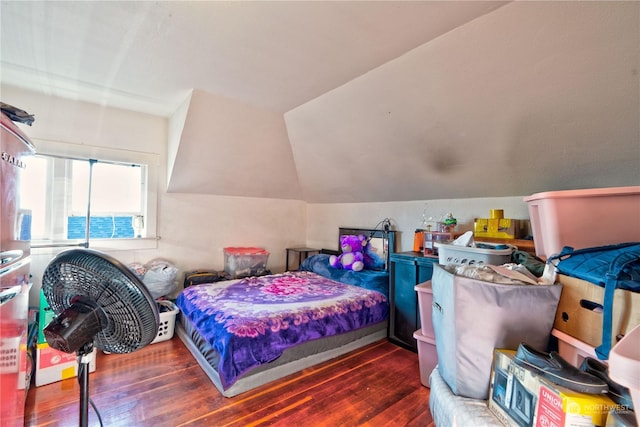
[(303, 253)]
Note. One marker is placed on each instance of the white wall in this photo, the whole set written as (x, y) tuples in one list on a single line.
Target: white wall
[(192, 228), (324, 219)]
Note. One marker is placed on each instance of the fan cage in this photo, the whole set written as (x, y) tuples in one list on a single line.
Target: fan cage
[(132, 313)]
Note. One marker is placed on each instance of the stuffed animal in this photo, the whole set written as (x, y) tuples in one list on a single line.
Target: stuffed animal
[(352, 257)]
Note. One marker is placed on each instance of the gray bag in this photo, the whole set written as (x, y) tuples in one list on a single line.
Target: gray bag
[(472, 317)]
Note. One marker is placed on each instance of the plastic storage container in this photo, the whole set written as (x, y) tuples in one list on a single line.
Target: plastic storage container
[(453, 254), (584, 218), (624, 366), (572, 349), (168, 313), (245, 261), (427, 356), (425, 300)]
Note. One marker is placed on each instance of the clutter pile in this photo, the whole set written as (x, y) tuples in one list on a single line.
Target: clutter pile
[(545, 340)]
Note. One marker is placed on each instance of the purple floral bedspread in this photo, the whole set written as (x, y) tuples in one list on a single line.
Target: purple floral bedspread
[(252, 321)]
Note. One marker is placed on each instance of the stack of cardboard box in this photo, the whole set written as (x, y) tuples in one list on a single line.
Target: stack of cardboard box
[(519, 397)]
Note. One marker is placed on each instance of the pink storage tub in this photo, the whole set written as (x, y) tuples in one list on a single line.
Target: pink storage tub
[(427, 356), (584, 218), (572, 349), (624, 366), (425, 300)]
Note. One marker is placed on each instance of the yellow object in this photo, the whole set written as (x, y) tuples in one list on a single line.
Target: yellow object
[(496, 214), (501, 228)]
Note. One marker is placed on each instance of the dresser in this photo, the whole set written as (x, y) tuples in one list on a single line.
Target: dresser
[(406, 270)]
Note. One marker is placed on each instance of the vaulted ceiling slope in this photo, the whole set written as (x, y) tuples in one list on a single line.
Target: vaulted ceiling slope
[(354, 101), (536, 96)]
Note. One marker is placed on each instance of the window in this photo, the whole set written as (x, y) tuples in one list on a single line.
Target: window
[(62, 189)]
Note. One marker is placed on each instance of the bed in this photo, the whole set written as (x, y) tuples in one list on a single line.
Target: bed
[(247, 332)]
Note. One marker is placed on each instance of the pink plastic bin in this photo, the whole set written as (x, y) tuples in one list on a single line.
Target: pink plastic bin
[(572, 349), (584, 218), (427, 356), (425, 299), (624, 366)]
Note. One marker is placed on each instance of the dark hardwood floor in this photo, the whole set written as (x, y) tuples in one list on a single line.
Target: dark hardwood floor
[(162, 385)]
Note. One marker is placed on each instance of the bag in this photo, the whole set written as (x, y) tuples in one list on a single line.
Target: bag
[(158, 275), (472, 317), (198, 277), (611, 267)]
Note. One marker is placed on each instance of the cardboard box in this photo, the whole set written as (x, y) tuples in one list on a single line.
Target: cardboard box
[(513, 392), (53, 365), (579, 311), (518, 397)]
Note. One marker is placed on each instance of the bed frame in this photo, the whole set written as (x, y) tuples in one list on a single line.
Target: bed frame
[(296, 358), (292, 360), (383, 241)]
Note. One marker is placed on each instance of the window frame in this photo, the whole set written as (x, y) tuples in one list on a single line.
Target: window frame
[(108, 155)]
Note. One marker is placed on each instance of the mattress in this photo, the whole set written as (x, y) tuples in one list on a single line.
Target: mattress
[(447, 409), (292, 360), (240, 325)]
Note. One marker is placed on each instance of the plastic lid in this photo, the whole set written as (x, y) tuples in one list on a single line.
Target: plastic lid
[(593, 192), (246, 251)]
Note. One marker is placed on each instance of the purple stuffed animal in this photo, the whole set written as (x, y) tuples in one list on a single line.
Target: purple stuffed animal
[(351, 257)]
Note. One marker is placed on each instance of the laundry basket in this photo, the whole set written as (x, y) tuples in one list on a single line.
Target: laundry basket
[(168, 312), (489, 254)]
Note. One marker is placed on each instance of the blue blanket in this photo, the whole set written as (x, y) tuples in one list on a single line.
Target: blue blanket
[(375, 280)]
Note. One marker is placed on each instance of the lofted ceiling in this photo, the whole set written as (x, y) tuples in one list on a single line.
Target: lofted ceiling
[(331, 101)]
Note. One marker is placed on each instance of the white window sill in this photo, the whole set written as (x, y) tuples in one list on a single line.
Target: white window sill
[(100, 244)]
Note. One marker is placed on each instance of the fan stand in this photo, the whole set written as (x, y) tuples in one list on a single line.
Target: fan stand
[(85, 356), (98, 302)]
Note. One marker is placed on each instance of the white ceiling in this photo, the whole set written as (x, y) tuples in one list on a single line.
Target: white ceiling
[(330, 101), (147, 55)]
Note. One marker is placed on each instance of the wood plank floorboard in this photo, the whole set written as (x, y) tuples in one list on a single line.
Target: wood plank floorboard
[(162, 385)]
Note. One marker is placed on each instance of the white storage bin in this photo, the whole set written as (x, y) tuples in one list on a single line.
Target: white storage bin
[(584, 218), (425, 300), (168, 313), (454, 254), (427, 356)]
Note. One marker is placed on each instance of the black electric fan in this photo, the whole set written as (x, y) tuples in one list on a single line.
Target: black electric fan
[(98, 302)]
